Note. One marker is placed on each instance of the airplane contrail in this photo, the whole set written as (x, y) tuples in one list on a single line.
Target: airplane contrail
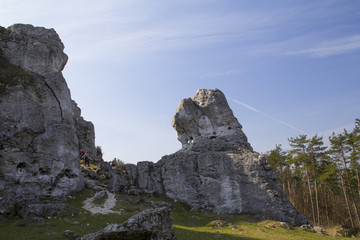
[(267, 115)]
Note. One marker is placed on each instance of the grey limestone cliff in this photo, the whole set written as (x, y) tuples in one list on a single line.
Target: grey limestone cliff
[(216, 169), (41, 128)]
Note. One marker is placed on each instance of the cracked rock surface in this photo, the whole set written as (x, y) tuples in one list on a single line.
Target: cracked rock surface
[(41, 128)]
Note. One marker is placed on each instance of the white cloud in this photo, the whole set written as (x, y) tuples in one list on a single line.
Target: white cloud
[(330, 48), (267, 115), (186, 32), (245, 105)]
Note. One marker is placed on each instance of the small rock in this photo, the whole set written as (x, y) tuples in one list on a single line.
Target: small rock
[(100, 195), (91, 185), (93, 175), (217, 223), (284, 225), (70, 234), (21, 225), (149, 193), (218, 236), (133, 191), (306, 227), (195, 217), (233, 227), (158, 204), (261, 230), (138, 200), (318, 229), (272, 226)]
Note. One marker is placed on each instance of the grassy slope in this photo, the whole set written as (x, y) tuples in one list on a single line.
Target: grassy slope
[(187, 224)]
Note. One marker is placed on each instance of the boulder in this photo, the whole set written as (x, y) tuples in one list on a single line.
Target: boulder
[(149, 224), (93, 175), (41, 210), (99, 195), (149, 177), (70, 234), (119, 182), (158, 204), (91, 184)]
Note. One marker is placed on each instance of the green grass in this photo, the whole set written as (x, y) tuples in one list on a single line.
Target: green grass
[(187, 224), (195, 225)]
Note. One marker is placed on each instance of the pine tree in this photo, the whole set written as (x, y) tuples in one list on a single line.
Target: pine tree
[(316, 151), (340, 152), (278, 160)]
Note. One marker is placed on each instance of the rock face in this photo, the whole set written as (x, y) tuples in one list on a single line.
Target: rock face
[(41, 129), (216, 169), (147, 225), (206, 123)]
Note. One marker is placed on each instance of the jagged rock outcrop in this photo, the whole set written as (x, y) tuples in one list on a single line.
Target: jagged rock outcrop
[(206, 123), (216, 169), (149, 224), (41, 129)]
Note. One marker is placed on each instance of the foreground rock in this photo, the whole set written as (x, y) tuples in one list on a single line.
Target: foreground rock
[(150, 224), (216, 169), (41, 129)]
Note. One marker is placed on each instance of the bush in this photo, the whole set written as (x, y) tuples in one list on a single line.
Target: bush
[(118, 164), (348, 231), (99, 152)]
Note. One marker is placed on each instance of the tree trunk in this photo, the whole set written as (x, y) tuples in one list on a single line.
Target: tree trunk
[(347, 201), (311, 199), (358, 180), (317, 200), (350, 189), (327, 209), (354, 205), (291, 198)]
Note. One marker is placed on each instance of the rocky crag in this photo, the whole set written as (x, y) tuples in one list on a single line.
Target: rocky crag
[(42, 131), (216, 169), (41, 128)]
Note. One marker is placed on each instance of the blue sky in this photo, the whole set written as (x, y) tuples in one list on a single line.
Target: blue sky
[(286, 67)]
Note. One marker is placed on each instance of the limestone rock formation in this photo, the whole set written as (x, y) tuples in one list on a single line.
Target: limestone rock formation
[(206, 122), (216, 169), (149, 224), (41, 129)]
